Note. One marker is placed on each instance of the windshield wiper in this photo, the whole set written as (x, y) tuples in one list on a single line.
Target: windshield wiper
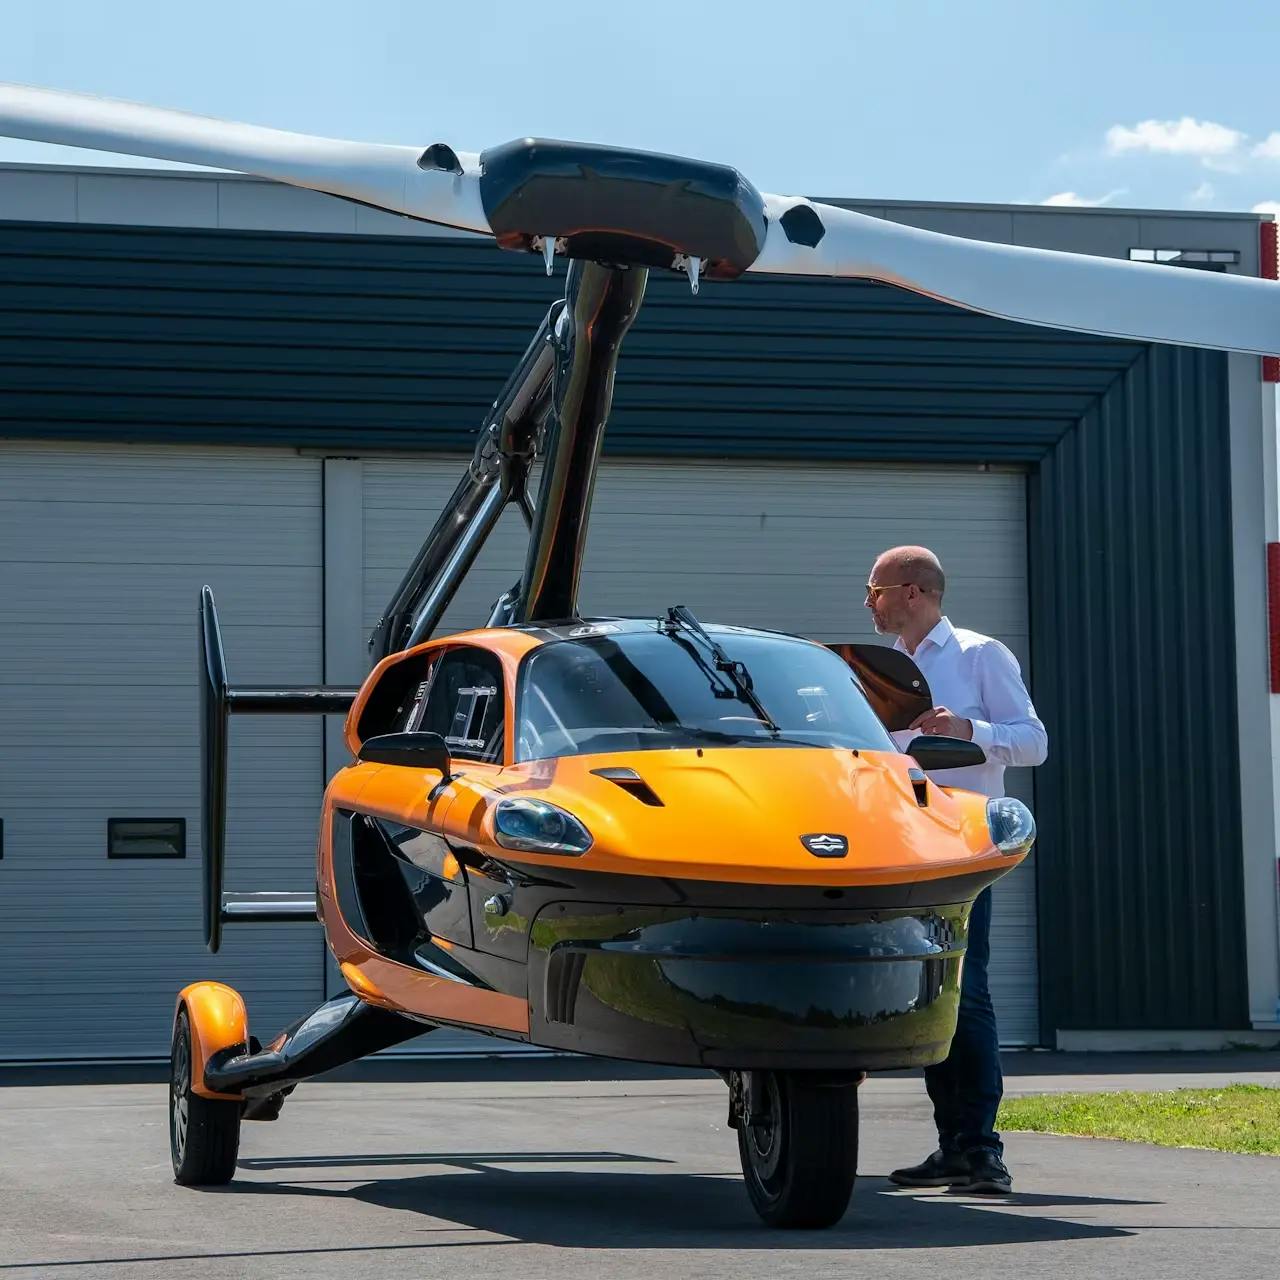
[(680, 618)]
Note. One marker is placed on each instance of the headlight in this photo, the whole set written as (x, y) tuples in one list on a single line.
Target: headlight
[(538, 827), (1013, 829)]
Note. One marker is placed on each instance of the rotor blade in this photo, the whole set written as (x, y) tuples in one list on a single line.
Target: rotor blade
[(1074, 291), (435, 184)]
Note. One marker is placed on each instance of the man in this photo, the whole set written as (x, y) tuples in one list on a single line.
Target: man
[(979, 696)]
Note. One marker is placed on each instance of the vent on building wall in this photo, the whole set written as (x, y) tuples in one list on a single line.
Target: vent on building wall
[(146, 837)]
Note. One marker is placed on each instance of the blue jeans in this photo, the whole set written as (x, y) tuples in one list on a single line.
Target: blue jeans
[(966, 1089)]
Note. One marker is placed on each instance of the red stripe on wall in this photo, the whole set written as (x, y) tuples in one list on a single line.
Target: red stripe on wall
[(1269, 257), (1269, 269), (1273, 610)]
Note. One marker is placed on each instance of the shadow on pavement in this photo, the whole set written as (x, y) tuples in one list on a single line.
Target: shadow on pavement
[(599, 1210), (459, 1160)]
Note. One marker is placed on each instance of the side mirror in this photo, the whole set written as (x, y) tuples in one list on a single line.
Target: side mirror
[(945, 753), (413, 750)]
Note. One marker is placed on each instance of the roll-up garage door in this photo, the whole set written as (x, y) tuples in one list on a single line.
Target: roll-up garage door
[(771, 545), (103, 550)]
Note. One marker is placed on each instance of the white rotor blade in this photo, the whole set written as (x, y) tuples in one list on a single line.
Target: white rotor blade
[(1075, 291), (386, 176)]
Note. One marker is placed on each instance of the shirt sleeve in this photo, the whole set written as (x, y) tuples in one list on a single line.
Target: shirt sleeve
[(1012, 734)]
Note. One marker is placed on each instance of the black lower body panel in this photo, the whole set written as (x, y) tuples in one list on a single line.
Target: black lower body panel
[(724, 988), (686, 973), (341, 1030)]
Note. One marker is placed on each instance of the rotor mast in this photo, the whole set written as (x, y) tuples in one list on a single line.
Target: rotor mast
[(600, 304), (615, 214)]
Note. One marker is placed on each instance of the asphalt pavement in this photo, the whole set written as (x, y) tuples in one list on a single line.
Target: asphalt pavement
[(567, 1169)]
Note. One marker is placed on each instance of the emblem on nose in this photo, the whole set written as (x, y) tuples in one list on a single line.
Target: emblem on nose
[(826, 844)]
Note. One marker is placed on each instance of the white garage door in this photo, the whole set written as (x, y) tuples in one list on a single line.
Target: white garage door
[(769, 545), (103, 550)]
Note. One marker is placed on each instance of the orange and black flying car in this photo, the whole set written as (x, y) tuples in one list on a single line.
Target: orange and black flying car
[(642, 838)]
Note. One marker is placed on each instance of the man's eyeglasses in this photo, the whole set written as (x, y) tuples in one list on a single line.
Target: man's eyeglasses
[(874, 593)]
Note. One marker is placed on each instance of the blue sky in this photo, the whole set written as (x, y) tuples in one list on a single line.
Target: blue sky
[(1127, 102)]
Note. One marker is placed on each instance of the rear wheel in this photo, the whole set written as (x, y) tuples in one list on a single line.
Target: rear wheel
[(204, 1133), (799, 1148)]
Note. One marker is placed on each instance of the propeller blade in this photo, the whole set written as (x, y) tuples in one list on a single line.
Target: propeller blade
[(1074, 291), (435, 184)]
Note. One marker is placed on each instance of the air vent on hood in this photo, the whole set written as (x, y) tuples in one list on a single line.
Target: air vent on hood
[(629, 780), (920, 785)]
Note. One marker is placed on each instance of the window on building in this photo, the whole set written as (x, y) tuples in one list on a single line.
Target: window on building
[(1197, 259)]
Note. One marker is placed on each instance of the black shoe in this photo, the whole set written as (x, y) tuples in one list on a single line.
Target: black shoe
[(987, 1174), (942, 1169)]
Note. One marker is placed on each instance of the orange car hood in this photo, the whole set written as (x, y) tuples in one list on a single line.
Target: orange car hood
[(740, 812)]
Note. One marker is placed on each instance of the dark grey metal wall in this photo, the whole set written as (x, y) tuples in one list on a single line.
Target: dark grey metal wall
[(370, 342), (1132, 633), (353, 342)]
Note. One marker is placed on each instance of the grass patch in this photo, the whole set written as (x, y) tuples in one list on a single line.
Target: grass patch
[(1240, 1117)]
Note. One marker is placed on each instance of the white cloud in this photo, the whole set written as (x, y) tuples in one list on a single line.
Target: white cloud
[(1268, 148), (1071, 199), (1204, 192), (1267, 206), (1186, 137)]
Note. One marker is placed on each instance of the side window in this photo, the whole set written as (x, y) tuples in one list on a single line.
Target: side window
[(465, 704)]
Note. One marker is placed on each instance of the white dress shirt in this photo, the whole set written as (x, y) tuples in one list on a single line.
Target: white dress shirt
[(976, 677)]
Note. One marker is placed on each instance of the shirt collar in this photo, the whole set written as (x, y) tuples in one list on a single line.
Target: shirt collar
[(940, 636)]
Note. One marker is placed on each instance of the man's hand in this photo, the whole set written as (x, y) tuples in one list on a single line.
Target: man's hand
[(944, 723)]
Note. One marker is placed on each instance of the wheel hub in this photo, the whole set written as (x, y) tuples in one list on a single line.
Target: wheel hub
[(764, 1128), (180, 1109)]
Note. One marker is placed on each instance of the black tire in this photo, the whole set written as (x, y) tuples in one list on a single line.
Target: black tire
[(800, 1152), (204, 1133)]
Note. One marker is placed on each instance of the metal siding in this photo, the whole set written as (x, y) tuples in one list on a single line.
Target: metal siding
[(774, 545), (1140, 876), (370, 342), (104, 549)]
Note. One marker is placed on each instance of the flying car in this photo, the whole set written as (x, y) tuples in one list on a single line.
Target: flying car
[(651, 838)]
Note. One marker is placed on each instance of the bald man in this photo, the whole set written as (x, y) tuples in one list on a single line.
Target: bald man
[(979, 696)]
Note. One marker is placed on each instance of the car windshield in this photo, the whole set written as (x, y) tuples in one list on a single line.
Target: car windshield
[(648, 690)]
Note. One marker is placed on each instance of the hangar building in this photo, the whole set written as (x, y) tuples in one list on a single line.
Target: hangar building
[(213, 379)]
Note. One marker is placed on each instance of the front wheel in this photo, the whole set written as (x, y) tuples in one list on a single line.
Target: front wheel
[(204, 1133), (798, 1143)]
